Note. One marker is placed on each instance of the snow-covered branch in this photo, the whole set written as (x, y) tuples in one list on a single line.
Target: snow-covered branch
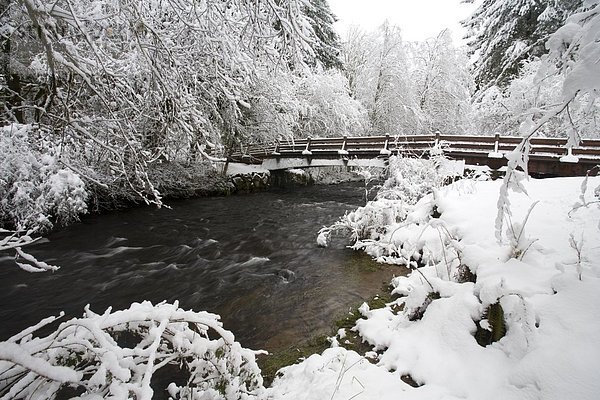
[(115, 355)]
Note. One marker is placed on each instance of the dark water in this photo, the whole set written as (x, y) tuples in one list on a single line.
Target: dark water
[(253, 259)]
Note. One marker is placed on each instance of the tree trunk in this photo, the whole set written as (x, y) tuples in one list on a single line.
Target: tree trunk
[(13, 83)]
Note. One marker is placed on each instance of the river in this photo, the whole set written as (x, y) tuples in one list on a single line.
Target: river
[(252, 259)]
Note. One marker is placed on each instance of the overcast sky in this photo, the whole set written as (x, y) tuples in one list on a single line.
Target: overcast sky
[(418, 19)]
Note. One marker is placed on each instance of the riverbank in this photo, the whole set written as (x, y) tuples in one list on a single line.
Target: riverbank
[(532, 293), (179, 181), (317, 343)]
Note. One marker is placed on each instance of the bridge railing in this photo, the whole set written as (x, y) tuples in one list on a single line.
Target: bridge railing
[(454, 146)]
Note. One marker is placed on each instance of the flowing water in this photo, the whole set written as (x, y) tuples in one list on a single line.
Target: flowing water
[(252, 259)]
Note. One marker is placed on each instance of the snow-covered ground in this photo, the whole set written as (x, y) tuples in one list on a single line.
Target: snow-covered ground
[(546, 277)]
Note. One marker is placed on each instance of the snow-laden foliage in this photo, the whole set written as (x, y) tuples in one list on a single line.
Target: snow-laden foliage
[(529, 95), (386, 88), (443, 335), (442, 85), (501, 111), (35, 189), (327, 50), (116, 355), (573, 52), (379, 78), (133, 83), (314, 104), (273, 108), (408, 88), (381, 226), (326, 109), (504, 33)]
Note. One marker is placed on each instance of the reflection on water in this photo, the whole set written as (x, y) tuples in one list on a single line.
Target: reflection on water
[(253, 259)]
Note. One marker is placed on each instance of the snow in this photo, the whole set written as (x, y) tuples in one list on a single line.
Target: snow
[(495, 154), (323, 239), (551, 348), (13, 353), (245, 169), (336, 374), (297, 171), (569, 159), (34, 367)]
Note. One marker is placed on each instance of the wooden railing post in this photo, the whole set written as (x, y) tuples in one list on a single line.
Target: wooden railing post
[(276, 151), (342, 151), (569, 158), (496, 152), (385, 151), (437, 138), (307, 151), (496, 142)]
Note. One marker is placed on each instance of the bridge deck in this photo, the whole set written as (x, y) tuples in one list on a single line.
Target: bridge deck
[(548, 156)]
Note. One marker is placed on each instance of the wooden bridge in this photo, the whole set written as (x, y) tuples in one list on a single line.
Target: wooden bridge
[(548, 156)]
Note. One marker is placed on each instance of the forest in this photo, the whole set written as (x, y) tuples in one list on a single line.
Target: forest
[(111, 103), (100, 98)]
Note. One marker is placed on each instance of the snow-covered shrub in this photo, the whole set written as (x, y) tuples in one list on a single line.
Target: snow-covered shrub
[(115, 355), (365, 223), (34, 188), (408, 181)]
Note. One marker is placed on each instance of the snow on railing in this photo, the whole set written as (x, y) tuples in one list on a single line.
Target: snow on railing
[(457, 146)]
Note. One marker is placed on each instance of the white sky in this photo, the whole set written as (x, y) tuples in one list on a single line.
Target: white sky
[(417, 19)]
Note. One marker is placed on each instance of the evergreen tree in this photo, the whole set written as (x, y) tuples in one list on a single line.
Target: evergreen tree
[(327, 48), (504, 33)]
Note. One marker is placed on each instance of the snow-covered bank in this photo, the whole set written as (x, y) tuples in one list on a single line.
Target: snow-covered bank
[(546, 280)]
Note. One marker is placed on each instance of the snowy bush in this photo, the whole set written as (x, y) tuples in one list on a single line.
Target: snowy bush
[(409, 179), (34, 188), (115, 355), (273, 109), (398, 226)]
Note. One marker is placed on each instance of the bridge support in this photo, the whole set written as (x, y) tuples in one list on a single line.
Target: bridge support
[(274, 164)]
